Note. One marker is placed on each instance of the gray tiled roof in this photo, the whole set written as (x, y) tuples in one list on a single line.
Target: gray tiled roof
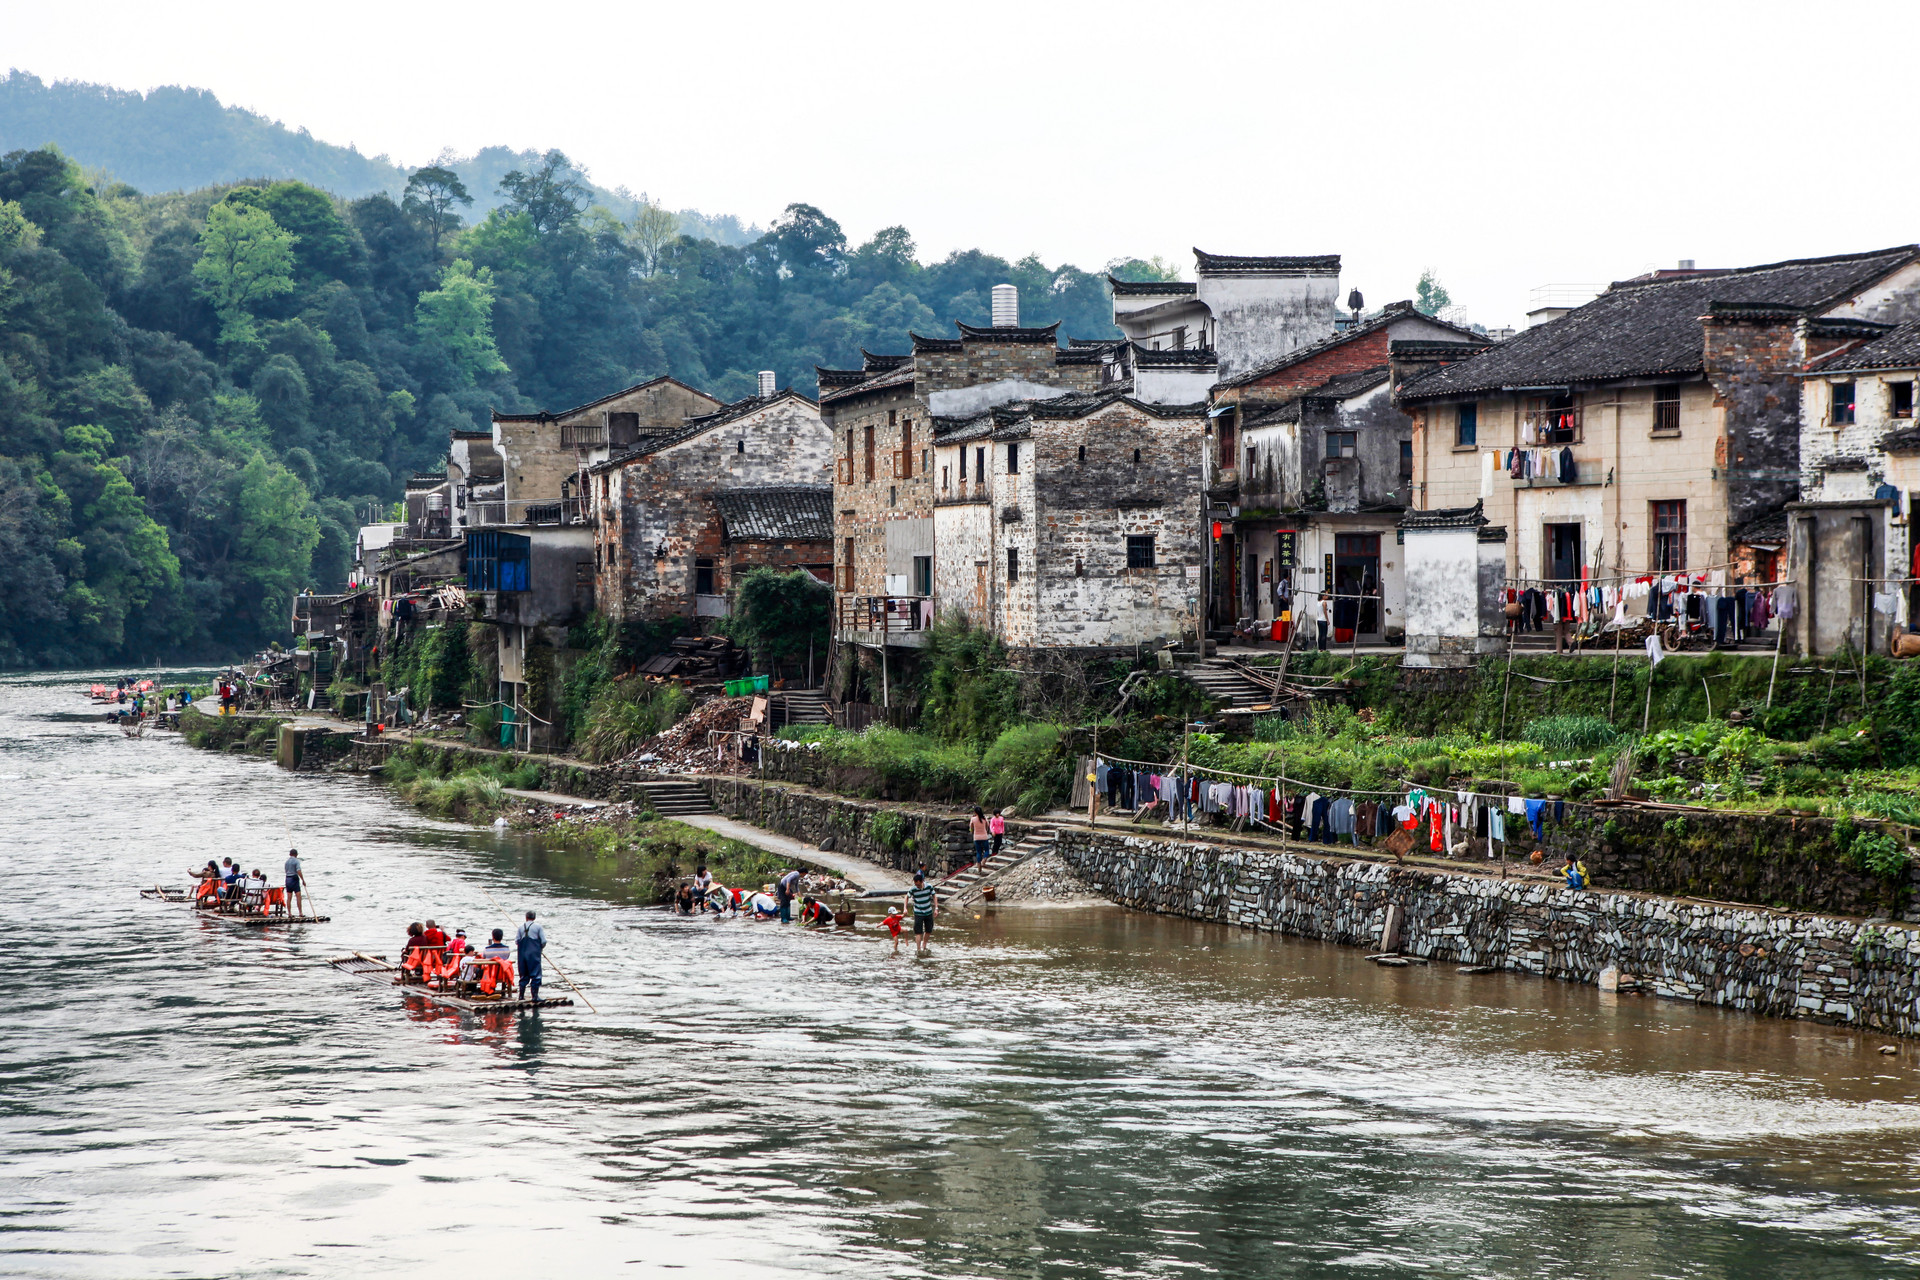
[(1899, 349), (1653, 329), (778, 513)]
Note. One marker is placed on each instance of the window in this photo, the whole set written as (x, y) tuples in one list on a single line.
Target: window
[(1253, 460), (1842, 412), (846, 560), (979, 464), (1139, 551), (1013, 564), (1136, 457), (1899, 400), (1669, 537), (893, 417), (906, 450), (1083, 453), (703, 577), (1466, 426), (869, 441), (946, 474), (1013, 459), (893, 494), (1666, 410), (1343, 444), (1406, 459), (740, 446), (1179, 337), (925, 454), (923, 575), (1226, 442)]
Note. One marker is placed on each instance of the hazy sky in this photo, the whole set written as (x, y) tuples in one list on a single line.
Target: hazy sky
[(1506, 146)]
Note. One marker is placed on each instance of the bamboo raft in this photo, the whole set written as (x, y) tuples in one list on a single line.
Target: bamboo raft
[(184, 898), (376, 969)]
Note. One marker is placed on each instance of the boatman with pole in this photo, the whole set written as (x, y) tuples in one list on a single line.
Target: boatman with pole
[(296, 884), (531, 940)]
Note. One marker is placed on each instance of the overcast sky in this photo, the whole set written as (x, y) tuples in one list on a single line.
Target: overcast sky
[(1506, 146)]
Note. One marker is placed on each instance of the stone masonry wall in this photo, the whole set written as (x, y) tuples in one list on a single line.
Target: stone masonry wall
[(1775, 963), (908, 840)]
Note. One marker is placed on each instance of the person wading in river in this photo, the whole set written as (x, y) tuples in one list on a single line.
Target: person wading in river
[(532, 942), (924, 903)]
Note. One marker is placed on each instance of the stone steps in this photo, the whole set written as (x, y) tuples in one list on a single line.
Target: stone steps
[(1010, 856), (672, 799), (1221, 682)]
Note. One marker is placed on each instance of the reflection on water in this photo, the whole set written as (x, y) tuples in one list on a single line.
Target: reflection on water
[(1051, 1094)]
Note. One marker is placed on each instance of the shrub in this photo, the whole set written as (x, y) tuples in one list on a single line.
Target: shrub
[(627, 712), (890, 830), (1018, 763), (1570, 734), (1879, 855)]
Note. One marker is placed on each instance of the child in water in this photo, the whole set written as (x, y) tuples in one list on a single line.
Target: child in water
[(894, 922)]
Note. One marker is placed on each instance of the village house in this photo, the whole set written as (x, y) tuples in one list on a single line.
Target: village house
[(1068, 523), (1242, 311), (1850, 538), (519, 500), (1308, 468), (882, 418), (680, 514), (1655, 430)]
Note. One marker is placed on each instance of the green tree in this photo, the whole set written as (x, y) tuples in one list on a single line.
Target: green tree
[(122, 555), (551, 193), (324, 246), (457, 320), (245, 258), (430, 198), (653, 228), (1430, 297), (1143, 270), (274, 531), (779, 615)]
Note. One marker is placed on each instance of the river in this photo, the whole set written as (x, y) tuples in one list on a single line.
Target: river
[(1054, 1093)]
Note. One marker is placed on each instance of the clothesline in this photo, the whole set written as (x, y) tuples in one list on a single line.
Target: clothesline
[(1296, 783)]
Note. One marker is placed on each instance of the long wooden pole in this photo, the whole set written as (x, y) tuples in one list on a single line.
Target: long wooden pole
[(556, 968)]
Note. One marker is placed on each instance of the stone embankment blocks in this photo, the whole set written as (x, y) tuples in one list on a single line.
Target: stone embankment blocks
[(1789, 965)]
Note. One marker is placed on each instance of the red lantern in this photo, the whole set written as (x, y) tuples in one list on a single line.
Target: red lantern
[(1216, 529)]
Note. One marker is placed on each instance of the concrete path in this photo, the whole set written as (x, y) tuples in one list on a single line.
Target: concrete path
[(554, 798), (867, 875)]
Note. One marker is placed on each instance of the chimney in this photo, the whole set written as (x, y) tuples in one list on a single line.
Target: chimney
[(1006, 307), (767, 387)]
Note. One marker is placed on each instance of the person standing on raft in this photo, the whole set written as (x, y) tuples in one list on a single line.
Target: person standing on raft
[(531, 941)]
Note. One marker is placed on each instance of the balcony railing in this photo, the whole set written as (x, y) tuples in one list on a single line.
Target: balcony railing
[(551, 511), (586, 435), (898, 614), (1553, 426)]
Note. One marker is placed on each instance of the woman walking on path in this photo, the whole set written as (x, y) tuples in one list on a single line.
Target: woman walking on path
[(998, 825), (982, 835)]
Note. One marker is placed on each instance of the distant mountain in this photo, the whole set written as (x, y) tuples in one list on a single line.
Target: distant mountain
[(179, 139)]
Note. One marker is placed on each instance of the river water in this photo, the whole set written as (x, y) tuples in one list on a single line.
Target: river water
[(1053, 1093)]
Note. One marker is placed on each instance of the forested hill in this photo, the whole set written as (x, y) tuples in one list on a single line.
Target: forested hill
[(178, 139), (200, 392)]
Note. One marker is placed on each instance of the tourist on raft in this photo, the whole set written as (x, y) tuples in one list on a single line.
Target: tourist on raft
[(531, 942)]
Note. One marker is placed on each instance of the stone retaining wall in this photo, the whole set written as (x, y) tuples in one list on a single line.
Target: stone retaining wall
[(1776, 963), (934, 839)]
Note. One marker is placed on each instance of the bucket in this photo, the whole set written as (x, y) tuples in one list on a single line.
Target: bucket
[(1342, 635), (989, 891), (1281, 629)]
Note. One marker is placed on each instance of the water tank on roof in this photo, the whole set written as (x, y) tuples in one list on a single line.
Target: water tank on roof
[(766, 382), (1006, 307)]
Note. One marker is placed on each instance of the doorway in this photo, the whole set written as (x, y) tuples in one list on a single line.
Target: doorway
[(1356, 573), (1563, 554)]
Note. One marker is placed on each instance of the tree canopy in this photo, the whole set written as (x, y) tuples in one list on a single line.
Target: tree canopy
[(200, 390)]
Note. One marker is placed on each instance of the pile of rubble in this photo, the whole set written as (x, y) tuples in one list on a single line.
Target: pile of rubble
[(698, 658), (686, 748)]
